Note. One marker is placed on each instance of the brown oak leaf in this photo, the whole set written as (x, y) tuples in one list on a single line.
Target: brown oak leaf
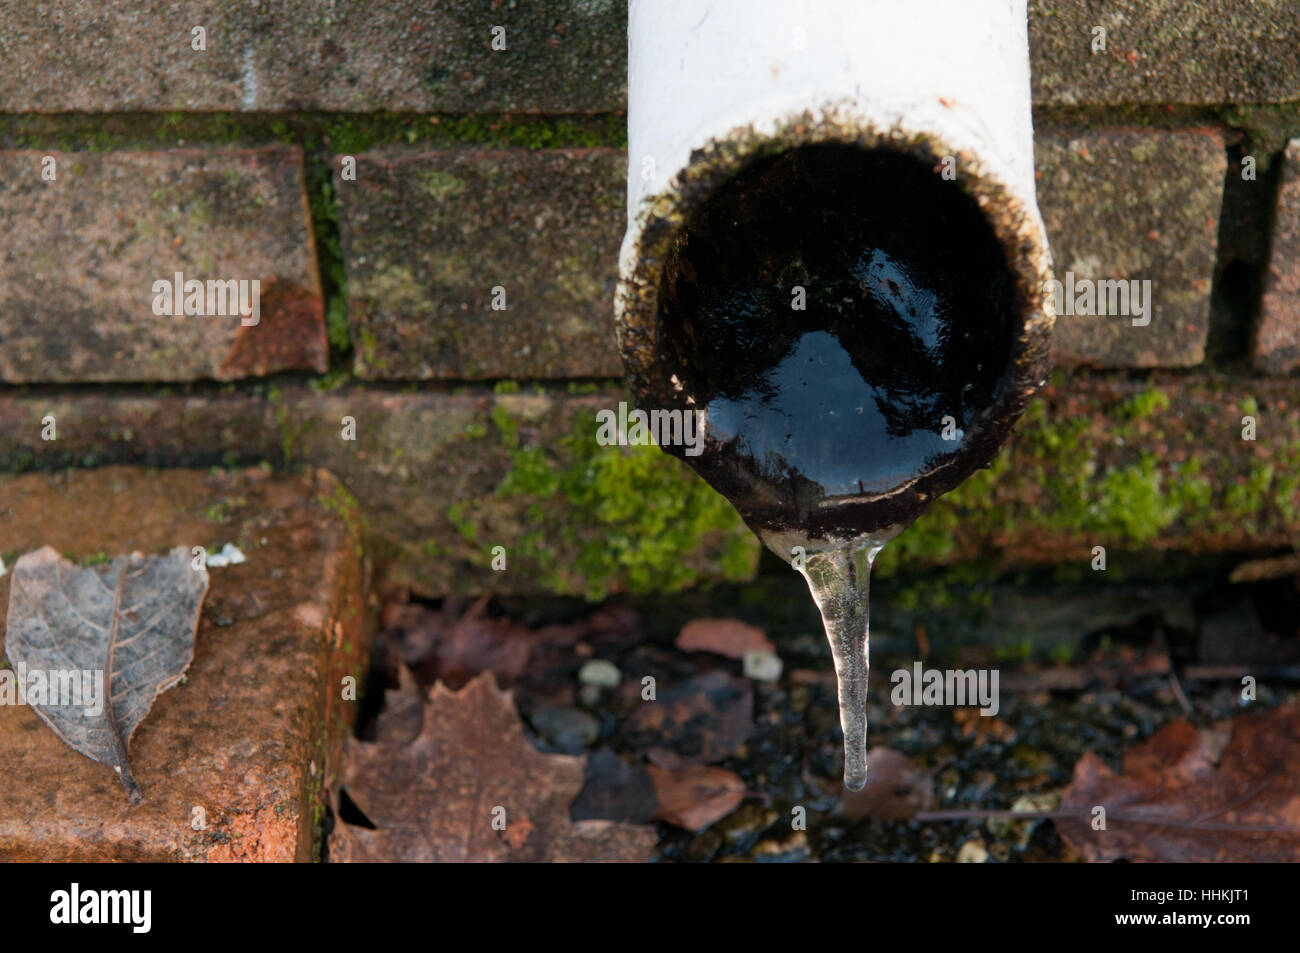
[(1227, 793), (729, 637), (693, 798), (896, 788), (468, 786)]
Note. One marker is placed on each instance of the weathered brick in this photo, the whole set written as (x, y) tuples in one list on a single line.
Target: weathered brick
[(1134, 205), (1160, 465), (1277, 339), (1164, 51), (419, 461), (285, 55), (77, 276), (427, 237), (405, 55), (256, 729)]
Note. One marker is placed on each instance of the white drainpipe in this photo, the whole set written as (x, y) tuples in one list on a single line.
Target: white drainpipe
[(713, 82), (716, 84)]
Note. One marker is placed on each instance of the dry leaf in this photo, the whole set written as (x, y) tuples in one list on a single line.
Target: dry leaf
[(896, 788), (697, 721), (693, 798), (455, 642), (729, 637), (1189, 795), (131, 621), (435, 796), (615, 791)]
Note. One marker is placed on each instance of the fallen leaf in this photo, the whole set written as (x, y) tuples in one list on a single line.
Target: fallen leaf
[(474, 643), (729, 637), (455, 643), (1228, 793), (896, 788), (697, 721), (131, 621), (983, 728), (615, 791), (693, 798), (443, 794)]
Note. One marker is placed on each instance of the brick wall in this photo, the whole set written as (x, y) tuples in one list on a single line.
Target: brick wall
[(386, 175)]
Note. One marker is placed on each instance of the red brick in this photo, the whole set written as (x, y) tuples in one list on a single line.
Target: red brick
[(76, 290), (255, 731)]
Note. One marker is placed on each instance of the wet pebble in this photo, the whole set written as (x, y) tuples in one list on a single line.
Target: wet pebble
[(569, 730), (746, 823), (791, 850), (599, 673), (762, 666), (704, 845)]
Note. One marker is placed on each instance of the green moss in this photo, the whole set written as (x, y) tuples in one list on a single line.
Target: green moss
[(506, 425), (340, 501), (1131, 505), (323, 206), (1266, 128), (1144, 404), (632, 518), (370, 349), (440, 185), (1021, 652), (221, 511), (467, 528), (1061, 486)]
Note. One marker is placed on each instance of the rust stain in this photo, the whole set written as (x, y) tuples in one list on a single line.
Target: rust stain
[(290, 334)]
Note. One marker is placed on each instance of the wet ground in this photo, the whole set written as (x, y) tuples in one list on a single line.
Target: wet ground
[(1171, 650)]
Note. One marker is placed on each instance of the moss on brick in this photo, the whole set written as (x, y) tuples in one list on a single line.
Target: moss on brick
[(1063, 484), (1266, 128), (629, 518)]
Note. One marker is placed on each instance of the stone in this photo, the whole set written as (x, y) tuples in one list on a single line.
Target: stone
[(600, 673), (1137, 206), (1277, 338), (483, 264), (567, 730), (235, 759), (295, 55), (762, 666), (78, 301)]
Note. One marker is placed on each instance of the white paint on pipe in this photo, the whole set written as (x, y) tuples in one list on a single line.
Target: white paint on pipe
[(702, 72)]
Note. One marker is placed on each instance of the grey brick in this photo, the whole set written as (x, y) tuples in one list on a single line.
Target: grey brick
[(428, 236), (1134, 205)]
